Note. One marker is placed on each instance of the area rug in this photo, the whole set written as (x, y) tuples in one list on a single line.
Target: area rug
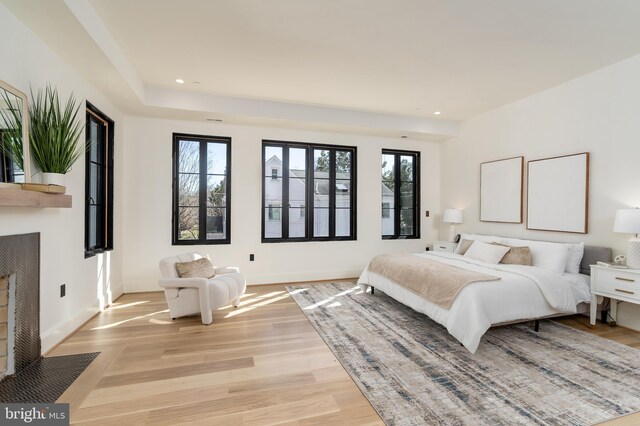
[(414, 373)]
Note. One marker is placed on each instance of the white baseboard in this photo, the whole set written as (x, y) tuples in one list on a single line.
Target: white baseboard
[(629, 316), (259, 279), (60, 331)]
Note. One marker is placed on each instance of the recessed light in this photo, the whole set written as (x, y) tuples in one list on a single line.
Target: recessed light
[(404, 136), (215, 120), (437, 113), (179, 81), (196, 82)]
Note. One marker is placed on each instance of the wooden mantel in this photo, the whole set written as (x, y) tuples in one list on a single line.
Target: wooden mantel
[(16, 197)]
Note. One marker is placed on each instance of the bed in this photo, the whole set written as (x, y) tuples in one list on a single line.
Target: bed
[(520, 293)]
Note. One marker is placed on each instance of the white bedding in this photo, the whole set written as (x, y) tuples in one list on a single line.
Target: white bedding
[(523, 292)]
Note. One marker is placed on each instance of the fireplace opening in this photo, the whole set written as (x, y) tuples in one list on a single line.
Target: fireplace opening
[(19, 302), (7, 324)]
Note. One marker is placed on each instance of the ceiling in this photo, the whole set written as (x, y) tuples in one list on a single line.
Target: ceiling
[(378, 58)]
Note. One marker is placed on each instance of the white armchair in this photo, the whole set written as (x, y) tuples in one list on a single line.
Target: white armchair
[(189, 296)]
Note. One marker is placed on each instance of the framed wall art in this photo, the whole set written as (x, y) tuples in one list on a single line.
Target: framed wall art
[(501, 184), (558, 193)]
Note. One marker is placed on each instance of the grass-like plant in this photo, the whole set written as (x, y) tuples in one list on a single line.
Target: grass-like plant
[(11, 129), (54, 134)]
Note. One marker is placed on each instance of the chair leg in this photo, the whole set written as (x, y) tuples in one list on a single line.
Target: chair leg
[(236, 302), (207, 317)]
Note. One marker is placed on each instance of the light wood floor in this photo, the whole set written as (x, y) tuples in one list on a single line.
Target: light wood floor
[(262, 363)]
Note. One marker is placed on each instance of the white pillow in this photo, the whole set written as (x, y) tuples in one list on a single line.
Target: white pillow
[(477, 237), (576, 251), (543, 252), (485, 252)]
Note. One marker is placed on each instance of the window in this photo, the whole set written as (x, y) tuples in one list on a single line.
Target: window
[(274, 212), (385, 209), (314, 198), (400, 194), (98, 224), (201, 190), (274, 174)]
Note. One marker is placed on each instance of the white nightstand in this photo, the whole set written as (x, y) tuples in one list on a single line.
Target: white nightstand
[(617, 284), (444, 246)]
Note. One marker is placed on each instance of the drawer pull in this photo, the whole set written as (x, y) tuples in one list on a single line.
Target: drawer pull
[(625, 291), (442, 247), (625, 279)]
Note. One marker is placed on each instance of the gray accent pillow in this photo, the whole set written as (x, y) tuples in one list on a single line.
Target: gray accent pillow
[(516, 255), (464, 246), (199, 268)]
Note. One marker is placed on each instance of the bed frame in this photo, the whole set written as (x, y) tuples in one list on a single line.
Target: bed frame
[(592, 254)]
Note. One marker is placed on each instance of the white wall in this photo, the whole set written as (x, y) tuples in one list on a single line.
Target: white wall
[(27, 61), (598, 113), (147, 232)]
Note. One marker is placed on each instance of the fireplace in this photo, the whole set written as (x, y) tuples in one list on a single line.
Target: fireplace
[(19, 302)]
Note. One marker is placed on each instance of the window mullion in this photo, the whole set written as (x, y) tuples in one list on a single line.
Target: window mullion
[(332, 193), (397, 196), (309, 203), (285, 193), (202, 196)]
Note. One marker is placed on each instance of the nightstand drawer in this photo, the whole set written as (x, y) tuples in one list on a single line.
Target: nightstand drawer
[(444, 246), (617, 283)]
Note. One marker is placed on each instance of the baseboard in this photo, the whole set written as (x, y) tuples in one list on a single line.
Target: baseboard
[(629, 316), (259, 279), (302, 277), (56, 334)]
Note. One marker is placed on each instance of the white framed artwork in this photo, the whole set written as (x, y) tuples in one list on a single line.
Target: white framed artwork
[(558, 193), (501, 184)]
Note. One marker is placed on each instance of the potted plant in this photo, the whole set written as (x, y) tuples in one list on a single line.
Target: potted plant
[(54, 135)]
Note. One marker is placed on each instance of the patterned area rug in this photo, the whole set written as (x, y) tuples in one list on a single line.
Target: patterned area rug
[(414, 373)]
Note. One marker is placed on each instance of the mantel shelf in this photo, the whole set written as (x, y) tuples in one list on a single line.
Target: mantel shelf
[(10, 197)]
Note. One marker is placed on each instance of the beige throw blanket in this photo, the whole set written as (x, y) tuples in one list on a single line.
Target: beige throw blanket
[(437, 282)]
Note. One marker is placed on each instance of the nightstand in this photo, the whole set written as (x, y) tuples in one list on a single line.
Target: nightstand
[(444, 246), (617, 284)]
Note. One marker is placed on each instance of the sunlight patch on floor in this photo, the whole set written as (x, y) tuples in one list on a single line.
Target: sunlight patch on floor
[(330, 299), (126, 305), (257, 305), (115, 324), (244, 303)]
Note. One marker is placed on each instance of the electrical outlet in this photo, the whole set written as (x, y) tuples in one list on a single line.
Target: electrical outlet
[(63, 290), (252, 257)]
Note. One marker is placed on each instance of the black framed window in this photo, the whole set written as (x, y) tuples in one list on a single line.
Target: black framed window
[(201, 189), (400, 194), (308, 192), (98, 229)]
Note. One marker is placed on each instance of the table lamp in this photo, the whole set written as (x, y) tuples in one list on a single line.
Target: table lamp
[(628, 222), (452, 216)]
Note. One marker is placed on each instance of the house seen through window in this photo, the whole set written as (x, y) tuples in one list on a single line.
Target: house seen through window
[(313, 196)]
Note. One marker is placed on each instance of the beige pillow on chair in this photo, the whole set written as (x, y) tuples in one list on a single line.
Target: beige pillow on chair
[(199, 268)]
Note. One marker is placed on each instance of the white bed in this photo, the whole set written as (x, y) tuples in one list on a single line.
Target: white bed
[(522, 293)]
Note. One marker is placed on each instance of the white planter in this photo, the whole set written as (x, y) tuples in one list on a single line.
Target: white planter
[(53, 179)]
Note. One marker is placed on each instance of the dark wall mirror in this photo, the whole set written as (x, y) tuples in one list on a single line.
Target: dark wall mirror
[(15, 162)]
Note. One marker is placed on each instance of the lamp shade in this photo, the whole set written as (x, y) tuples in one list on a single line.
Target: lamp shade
[(627, 221), (452, 216)]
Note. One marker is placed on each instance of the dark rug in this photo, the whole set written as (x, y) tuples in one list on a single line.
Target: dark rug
[(44, 380), (414, 373)]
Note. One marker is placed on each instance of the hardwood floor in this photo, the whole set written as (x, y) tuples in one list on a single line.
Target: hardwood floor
[(262, 363)]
